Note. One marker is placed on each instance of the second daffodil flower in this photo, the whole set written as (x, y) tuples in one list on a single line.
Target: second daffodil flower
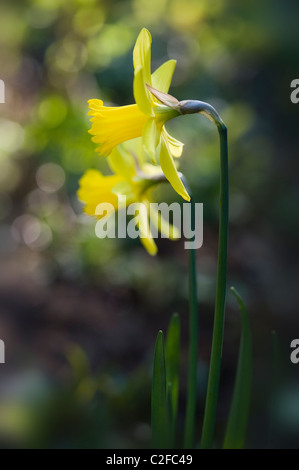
[(134, 179), (114, 125)]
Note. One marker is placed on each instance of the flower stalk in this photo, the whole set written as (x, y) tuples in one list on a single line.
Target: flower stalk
[(193, 345), (191, 107), (218, 331)]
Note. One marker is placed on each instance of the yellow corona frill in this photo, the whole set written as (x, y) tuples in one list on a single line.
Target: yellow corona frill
[(114, 125)]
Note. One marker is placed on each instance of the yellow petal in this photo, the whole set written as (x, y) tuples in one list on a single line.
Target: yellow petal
[(169, 169), (95, 188), (175, 146), (141, 93), (151, 170), (167, 229), (122, 162), (142, 54), (161, 78), (146, 237), (94, 106), (151, 138), (149, 245), (113, 125), (136, 148), (123, 188)]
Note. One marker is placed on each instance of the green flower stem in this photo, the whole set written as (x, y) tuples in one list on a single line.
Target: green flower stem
[(159, 408), (218, 331), (193, 338)]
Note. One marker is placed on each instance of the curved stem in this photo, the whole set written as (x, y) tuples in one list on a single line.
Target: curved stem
[(218, 331)]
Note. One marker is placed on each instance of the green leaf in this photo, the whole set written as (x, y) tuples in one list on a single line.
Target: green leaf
[(238, 416), (172, 372), (159, 417)]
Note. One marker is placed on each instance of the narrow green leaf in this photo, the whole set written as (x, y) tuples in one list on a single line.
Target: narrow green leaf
[(160, 430), (172, 372), (238, 416)]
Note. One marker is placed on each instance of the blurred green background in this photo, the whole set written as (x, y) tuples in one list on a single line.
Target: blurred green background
[(79, 315)]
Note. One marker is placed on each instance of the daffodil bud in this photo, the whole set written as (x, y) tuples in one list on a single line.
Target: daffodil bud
[(186, 106), (194, 106)]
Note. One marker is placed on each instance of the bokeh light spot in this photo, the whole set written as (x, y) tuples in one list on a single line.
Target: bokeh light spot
[(50, 177)]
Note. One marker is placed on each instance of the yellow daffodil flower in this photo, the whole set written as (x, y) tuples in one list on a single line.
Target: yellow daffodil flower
[(114, 125), (134, 178)]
